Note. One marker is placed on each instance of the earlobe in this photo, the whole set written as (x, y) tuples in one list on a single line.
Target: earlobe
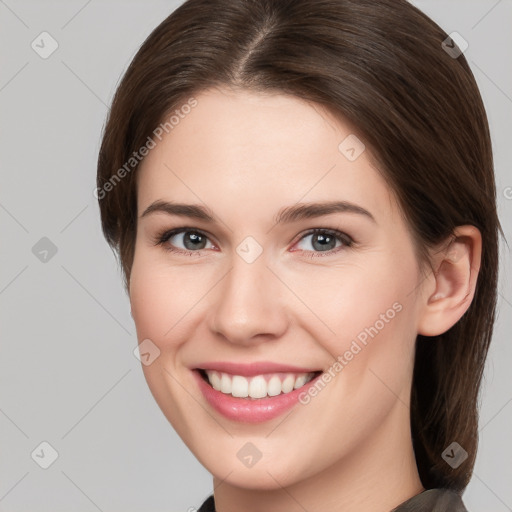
[(455, 276)]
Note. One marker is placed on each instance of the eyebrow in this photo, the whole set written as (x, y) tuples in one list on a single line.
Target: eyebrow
[(288, 214)]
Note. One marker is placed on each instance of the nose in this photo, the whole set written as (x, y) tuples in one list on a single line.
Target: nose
[(249, 306)]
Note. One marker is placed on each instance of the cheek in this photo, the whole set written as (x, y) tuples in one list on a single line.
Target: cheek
[(163, 297), (369, 309), (153, 298)]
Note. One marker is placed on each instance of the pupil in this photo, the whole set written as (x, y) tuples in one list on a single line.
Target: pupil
[(196, 238), (324, 240)]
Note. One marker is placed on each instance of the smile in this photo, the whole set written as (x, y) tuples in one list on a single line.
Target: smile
[(254, 398), (258, 386)]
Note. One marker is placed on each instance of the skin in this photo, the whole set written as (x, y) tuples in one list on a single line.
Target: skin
[(247, 155)]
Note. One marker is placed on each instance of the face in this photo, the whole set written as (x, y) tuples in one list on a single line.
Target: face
[(251, 294)]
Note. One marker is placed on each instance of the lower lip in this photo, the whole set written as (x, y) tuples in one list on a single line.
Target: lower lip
[(249, 410)]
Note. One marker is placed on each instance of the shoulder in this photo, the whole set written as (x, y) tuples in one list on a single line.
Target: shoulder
[(208, 505), (433, 500)]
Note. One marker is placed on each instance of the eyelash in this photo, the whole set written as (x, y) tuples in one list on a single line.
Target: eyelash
[(163, 237)]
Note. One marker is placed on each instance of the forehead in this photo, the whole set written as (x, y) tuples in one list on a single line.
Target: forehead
[(260, 152)]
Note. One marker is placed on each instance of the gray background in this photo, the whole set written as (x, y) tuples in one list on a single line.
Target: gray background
[(67, 369)]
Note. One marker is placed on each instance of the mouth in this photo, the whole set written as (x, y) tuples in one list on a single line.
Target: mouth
[(257, 386)]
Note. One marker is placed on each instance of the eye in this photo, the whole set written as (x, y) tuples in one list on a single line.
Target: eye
[(193, 240), (324, 241)]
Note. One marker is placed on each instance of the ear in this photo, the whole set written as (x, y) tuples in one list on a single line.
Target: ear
[(453, 282)]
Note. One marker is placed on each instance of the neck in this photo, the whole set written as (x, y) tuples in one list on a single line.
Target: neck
[(376, 476)]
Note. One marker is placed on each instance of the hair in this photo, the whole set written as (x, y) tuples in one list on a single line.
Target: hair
[(381, 67)]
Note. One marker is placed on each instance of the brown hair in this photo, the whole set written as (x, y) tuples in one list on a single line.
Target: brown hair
[(381, 66)]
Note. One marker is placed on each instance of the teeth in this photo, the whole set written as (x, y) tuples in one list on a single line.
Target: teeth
[(225, 384), (300, 381), (258, 386), (215, 380), (288, 384), (239, 386), (274, 386)]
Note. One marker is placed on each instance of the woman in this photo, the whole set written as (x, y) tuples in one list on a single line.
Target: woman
[(302, 197)]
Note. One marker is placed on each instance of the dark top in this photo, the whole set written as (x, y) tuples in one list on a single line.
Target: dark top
[(432, 500)]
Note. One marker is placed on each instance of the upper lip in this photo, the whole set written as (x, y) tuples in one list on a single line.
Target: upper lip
[(251, 369)]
